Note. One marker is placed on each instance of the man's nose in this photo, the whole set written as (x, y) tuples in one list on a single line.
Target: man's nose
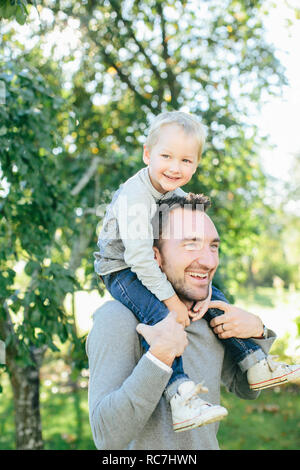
[(206, 259)]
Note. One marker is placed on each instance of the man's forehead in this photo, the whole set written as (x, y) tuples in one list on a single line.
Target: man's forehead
[(185, 223)]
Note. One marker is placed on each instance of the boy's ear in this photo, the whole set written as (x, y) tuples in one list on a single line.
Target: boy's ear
[(146, 155)]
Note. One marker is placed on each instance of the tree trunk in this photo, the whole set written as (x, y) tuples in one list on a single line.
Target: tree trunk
[(25, 384)]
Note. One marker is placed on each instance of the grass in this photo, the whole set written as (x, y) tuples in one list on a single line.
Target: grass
[(65, 420), (272, 422)]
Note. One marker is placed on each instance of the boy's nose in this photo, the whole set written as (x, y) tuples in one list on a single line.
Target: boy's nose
[(174, 167)]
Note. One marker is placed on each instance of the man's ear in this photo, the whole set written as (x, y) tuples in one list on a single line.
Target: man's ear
[(157, 256), (146, 155)]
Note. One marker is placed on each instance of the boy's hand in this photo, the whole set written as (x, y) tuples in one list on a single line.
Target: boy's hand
[(183, 315), (201, 307), (174, 304), (199, 310)]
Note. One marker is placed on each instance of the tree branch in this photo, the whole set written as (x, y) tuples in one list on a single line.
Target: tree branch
[(116, 6), (172, 81), (86, 177)]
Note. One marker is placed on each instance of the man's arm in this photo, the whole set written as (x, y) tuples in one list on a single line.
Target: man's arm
[(136, 233), (124, 388), (241, 324)]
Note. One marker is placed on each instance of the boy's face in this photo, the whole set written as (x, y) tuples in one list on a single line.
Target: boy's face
[(173, 159)]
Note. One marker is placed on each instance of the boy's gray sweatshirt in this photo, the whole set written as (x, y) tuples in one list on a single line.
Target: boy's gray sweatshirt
[(126, 403), (126, 238)]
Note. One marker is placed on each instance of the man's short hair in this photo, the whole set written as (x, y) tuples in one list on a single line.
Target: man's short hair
[(160, 219)]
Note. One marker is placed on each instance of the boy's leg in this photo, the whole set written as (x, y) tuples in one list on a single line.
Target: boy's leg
[(262, 371), (128, 289), (244, 352)]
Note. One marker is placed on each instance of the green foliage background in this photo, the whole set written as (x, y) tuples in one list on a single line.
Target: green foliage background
[(72, 128)]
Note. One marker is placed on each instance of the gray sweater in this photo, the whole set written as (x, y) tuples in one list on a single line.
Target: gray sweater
[(126, 238), (126, 403)]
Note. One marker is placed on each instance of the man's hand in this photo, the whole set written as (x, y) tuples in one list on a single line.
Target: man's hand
[(235, 322), (167, 339)]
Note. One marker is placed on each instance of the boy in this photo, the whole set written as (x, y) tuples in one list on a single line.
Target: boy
[(126, 263)]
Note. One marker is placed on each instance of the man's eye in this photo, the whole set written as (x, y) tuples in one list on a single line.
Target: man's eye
[(193, 246), (215, 247)]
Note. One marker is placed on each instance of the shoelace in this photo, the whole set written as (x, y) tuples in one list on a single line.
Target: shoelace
[(273, 365), (190, 400)]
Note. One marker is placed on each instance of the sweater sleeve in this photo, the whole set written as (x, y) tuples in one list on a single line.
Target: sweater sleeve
[(133, 212), (124, 388)]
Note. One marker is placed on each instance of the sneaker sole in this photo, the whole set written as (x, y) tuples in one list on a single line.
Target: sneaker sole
[(276, 380), (210, 417)]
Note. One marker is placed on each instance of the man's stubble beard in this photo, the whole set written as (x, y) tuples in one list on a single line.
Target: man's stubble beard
[(179, 285)]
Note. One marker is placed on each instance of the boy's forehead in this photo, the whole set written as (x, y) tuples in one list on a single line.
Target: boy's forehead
[(185, 223), (170, 128)]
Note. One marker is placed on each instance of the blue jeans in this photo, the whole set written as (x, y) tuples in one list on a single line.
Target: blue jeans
[(127, 288)]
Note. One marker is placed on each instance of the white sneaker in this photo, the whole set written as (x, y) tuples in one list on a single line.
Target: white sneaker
[(268, 373), (190, 411)]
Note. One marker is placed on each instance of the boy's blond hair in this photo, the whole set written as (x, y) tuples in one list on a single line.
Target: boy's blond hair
[(189, 123)]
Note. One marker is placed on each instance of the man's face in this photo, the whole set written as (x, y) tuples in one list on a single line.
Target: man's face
[(189, 253)]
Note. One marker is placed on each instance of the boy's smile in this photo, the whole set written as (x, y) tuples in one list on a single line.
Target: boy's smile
[(173, 159)]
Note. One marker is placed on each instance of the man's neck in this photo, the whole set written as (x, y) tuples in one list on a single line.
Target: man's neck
[(191, 303)]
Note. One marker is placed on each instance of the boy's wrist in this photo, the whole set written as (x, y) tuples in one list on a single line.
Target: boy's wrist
[(172, 302)]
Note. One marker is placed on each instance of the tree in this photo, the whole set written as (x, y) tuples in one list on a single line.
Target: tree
[(15, 9), (136, 59), (72, 130), (34, 204)]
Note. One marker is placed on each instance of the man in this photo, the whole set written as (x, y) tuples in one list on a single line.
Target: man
[(127, 406)]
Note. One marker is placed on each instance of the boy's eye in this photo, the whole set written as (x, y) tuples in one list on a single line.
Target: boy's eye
[(186, 160), (165, 156)]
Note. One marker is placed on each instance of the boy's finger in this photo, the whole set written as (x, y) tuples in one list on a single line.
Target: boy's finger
[(192, 314)]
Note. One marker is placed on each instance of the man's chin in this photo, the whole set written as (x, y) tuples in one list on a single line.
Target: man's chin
[(192, 294)]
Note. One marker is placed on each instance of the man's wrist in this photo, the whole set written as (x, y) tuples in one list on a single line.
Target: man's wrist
[(263, 333), (163, 356), (158, 362)]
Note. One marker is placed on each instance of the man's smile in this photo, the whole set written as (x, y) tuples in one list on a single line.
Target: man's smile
[(199, 278)]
